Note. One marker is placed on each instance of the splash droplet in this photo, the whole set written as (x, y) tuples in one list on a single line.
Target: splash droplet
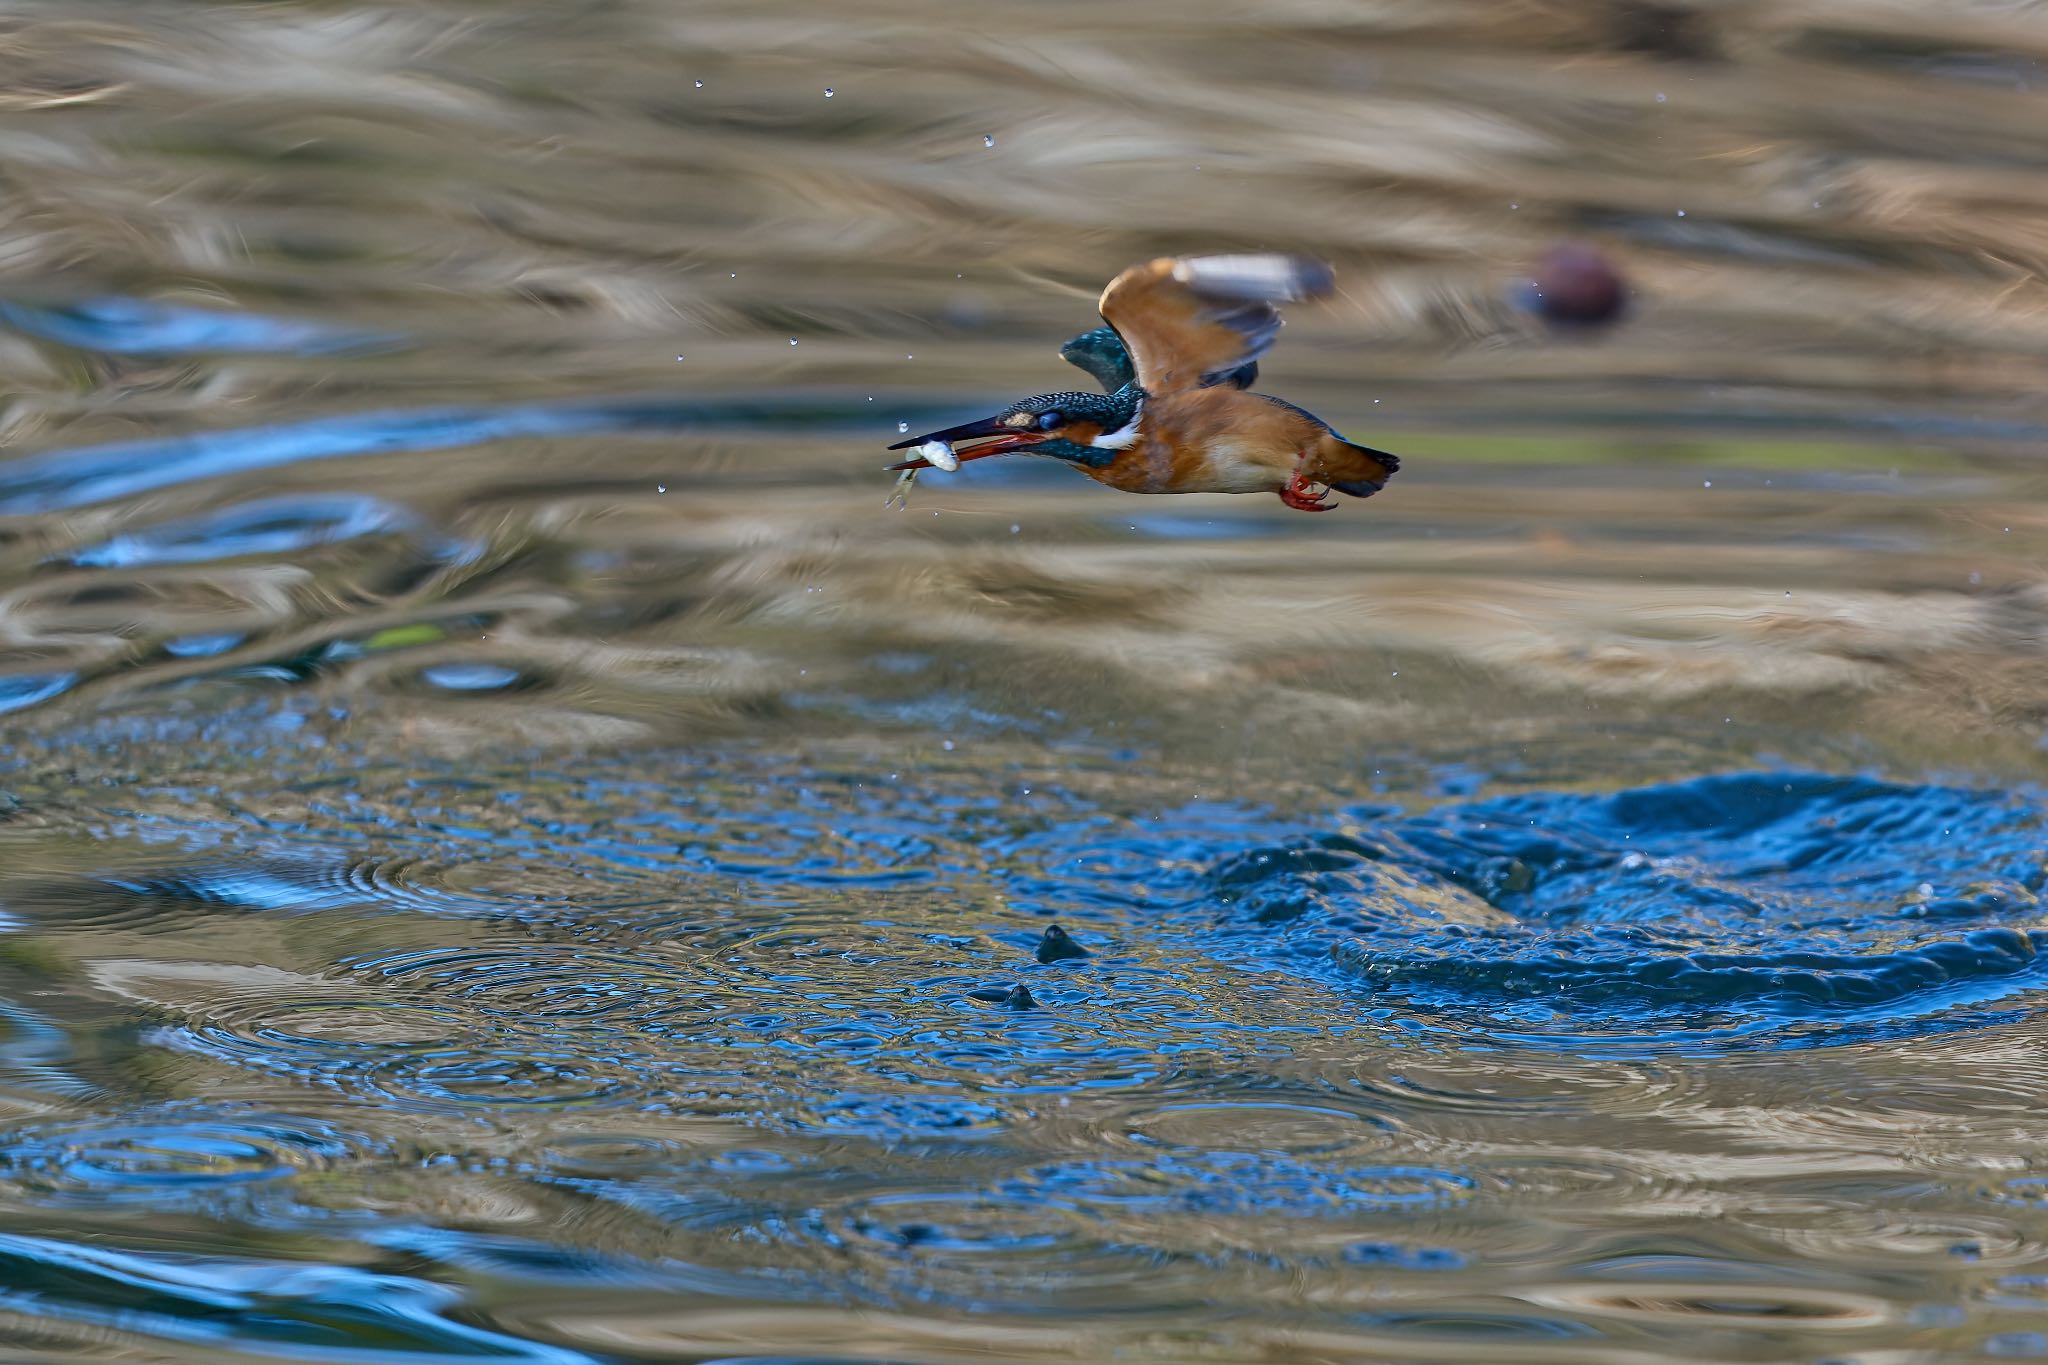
[(902, 426), (829, 93), (792, 341), (700, 85), (988, 139)]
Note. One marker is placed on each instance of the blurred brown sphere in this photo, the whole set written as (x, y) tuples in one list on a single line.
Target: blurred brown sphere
[(1575, 285)]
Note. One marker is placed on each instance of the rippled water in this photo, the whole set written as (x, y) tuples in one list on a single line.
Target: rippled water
[(508, 851)]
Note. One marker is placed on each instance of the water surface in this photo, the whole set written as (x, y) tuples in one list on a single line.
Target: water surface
[(508, 851)]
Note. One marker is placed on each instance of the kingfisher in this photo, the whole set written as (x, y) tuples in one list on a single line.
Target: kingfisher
[(1176, 361)]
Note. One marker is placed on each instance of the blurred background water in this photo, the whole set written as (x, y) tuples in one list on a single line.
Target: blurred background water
[(508, 851)]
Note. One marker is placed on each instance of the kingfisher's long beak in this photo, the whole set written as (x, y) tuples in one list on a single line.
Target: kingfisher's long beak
[(993, 437)]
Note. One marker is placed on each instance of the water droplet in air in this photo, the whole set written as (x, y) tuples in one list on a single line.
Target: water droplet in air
[(1660, 97), (829, 93), (661, 488), (949, 746), (792, 341), (988, 139), (1706, 483), (1015, 528), (1681, 213), (903, 426), (700, 85)]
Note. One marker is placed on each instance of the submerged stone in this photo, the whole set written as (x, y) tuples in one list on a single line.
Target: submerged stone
[(1059, 946)]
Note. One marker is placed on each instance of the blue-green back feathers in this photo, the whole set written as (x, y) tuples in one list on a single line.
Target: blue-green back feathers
[(1102, 353)]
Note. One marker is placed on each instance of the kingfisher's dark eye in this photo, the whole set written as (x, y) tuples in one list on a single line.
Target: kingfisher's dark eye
[(1048, 420)]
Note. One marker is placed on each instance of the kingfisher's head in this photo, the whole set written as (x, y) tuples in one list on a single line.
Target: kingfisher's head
[(1103, 421)]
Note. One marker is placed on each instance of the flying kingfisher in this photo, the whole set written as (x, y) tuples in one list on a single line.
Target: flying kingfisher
[(1177, 361)]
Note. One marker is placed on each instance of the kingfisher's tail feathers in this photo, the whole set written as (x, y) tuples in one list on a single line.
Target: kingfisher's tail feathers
[(1351, 468)]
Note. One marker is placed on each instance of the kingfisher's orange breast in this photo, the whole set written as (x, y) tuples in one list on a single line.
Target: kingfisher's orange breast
[(1219, 440)]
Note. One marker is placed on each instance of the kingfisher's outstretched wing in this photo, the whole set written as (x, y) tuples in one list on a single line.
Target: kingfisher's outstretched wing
[(1198, 321), (1102, 353)]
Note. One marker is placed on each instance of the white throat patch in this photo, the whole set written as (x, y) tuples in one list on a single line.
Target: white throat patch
[(1123, 437)]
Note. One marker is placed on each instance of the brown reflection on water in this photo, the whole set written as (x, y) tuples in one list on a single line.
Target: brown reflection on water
[(1825, 216), (1898, 609), (1827, 209)]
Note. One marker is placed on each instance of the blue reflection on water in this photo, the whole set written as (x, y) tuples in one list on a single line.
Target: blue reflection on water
[(470, 677), (21, 690), (61, 479), (77, 478), (125, 326), (1742, 903), (280, 1309), (271, 526), (800, 952), (1753, 909)]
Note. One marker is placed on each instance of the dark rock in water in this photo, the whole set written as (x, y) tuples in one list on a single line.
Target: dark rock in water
[(1059, 946), (1017, 997), (1575, 285)]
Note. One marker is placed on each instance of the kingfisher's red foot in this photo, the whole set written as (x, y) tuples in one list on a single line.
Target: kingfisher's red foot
[(1305, 496)]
